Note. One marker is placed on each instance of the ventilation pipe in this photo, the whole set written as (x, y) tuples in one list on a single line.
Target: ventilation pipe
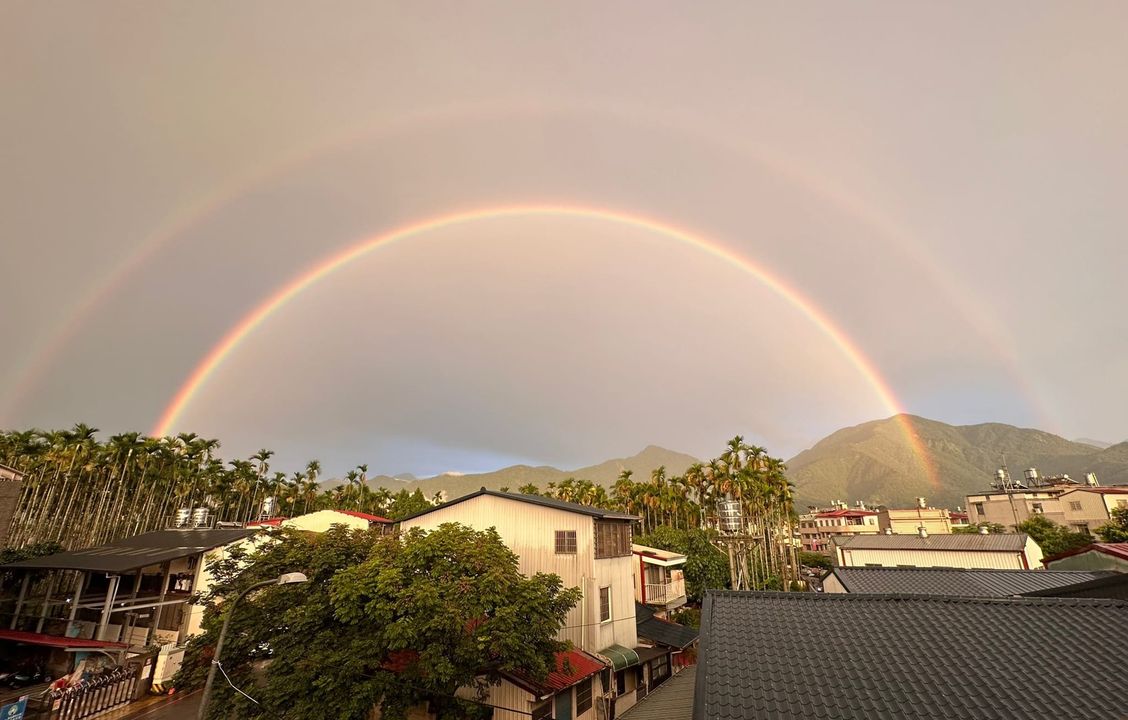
[(922, 531), (983, 530)]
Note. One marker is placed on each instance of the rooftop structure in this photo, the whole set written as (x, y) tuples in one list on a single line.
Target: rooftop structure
[(788, 656), (1016, 551), (816, 528), (951, 581), (660, 580), (1098, 556)]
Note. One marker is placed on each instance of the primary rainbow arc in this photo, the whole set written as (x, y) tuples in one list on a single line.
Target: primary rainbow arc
[(327, 266)]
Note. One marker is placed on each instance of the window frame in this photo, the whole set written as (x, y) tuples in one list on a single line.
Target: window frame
[(612, 538), (581, 708), (610, 612), (566, 539), (1075, 505)]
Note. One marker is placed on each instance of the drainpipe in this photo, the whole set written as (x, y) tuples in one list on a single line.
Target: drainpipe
[(642, 578)]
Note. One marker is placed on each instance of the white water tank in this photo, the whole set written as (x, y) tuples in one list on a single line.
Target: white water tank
[(182, 516), (199, 517), (728, 516)]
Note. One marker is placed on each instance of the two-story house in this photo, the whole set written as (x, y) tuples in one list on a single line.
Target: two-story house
[(589, 548)]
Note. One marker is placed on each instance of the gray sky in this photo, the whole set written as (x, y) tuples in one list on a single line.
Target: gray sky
[(946, 184)]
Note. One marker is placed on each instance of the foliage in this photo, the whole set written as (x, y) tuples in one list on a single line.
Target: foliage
[(706, 567), (815, 560), (1115, 531), (440, 609), (1051, 537), (688, 616), (11, 554), (992, 528)]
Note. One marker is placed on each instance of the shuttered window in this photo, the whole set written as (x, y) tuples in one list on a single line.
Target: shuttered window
[(604, 604), (583, 697), (565, 542), (612, 539)]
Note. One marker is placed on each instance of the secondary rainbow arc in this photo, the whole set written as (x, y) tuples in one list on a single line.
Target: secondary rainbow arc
[(328, 265)]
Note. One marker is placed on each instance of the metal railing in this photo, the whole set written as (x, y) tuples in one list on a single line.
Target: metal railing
[(661, 593), (93, 696)]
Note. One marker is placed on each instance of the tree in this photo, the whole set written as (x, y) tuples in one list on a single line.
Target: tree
[(1051, 537), (1115, 531), (706, 567), (381, 622), (992, 528), (815, 560)]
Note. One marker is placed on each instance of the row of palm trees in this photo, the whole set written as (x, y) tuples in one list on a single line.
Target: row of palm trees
[(79, 491), (743, 473)]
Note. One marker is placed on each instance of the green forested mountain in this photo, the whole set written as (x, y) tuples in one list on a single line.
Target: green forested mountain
[(874, 461)]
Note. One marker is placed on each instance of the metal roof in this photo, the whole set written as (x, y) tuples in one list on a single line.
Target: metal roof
[(134, 553), (957, 581), (995, 542), (1114, 585), (1117, 550), (595, 512), (796, 655), (663, 632), (673, 700), (620, 657)]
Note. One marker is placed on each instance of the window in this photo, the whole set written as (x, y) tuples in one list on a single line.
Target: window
[(979, 508), (621, 682), (1036, 508), (543, 712), (1082, 528), (604, 604), (659, 669), (612, 539), (583, 697), (1074, 505), (565, 542)]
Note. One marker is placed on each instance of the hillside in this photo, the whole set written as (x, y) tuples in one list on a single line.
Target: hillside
[(874, 462), (513, 477)]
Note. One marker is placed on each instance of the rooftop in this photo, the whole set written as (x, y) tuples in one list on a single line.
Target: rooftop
[(663, 632), (572, 666), (657, 556), (594, 512), (139, 551), (1117, 550), (812, 655), (1113, 585), (955, 581), (995, 542), (673, 700)]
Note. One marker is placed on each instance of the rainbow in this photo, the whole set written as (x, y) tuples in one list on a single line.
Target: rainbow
[(327, 266)]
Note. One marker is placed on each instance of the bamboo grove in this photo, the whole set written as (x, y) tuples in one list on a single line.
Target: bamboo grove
[(79, 491)]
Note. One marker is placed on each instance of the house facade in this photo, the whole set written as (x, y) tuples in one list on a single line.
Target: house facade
[(818, 528), (908, 521), (588, 548), (1081, 508), (660, 579)]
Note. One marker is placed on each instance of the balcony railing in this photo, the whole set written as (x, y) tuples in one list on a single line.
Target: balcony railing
[(665, 593)]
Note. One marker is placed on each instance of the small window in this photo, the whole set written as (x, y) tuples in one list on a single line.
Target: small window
[(1082, 528), (543, 712), (604, 604), (583, 697), (1074, 504), (979, 508), (621, 682), (659, 668), (565, 542), (1036, 508)]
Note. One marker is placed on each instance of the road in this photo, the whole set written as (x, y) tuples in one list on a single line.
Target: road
[(177, 707)]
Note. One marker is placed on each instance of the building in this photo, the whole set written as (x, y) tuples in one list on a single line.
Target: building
[(937, 521), (322, 520), (817, 528), (787, 656), (1079, 507), (1114, 585), (660, 580), (1016, 551), (1098, 556), (678, 641), (958, 518), (949, 581), (672, 701), (11, 485), (587, 547)]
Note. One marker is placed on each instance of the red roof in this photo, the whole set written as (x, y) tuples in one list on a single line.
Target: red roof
[(365, 516), (272, 522), (56, 641), (1117, 550), (572, 666)]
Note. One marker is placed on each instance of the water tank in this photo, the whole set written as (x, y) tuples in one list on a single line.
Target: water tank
[(728, 516), (200, 517), (921, 503), (1091, 479), (182, 516), (1031, 475), (268, 505)]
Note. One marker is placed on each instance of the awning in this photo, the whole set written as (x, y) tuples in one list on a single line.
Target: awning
[(620, 657), (646, 654), (56, 641)]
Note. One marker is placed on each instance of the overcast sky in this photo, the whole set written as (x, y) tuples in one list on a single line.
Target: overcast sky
[(946, 185)]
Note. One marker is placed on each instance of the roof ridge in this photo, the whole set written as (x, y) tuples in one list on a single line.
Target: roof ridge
[(928, 597)]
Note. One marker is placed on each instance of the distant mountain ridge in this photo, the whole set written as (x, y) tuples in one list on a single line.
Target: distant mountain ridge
[(513, 477), (874, 461)]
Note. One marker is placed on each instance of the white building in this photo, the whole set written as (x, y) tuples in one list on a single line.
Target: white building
[(1016, 551)]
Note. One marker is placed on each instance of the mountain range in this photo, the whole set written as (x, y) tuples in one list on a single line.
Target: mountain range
[(873, 462)]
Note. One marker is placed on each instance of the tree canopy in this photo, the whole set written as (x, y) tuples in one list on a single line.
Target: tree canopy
[(1115, 531), (382, 620), (1051, 537)]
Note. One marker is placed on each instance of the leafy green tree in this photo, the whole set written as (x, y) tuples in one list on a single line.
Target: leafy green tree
[(706, 567), (382, 621), (992, 528), (1051, 537), (404, 504), (815, 560), (1115, 531)]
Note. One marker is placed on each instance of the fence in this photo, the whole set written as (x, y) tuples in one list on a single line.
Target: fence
[(91, 697)]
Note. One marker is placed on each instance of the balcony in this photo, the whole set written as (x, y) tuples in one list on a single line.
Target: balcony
[(670, 593)]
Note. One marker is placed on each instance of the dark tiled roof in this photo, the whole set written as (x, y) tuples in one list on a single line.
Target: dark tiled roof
[(663, 632), (995, 542), (137, 552), (1114, 585), (810, 655), (535, 500), (673, 700), (956, 581)]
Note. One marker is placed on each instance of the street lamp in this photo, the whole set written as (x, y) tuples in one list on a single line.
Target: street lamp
[(283, 579)]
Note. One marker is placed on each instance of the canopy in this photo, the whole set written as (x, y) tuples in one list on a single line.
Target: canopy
[(620, 657)]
